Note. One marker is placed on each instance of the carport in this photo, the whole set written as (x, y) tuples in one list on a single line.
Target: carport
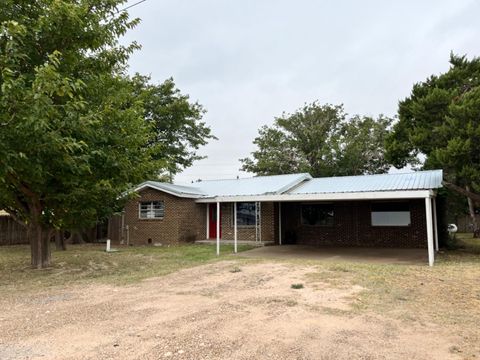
[(369, 211)]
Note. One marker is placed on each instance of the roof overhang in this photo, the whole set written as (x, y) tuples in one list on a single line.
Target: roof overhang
[(373, 195), (166, 190)]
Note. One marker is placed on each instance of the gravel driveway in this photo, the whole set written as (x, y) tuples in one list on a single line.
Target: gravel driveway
[(212, 312)]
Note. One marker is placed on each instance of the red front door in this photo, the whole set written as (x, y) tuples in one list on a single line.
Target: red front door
[(212, 221)]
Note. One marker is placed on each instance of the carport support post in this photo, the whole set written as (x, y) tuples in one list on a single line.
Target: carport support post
[(207, 236), (428, 213), (279, 223), (218, 228), (435, 227), (235, 227)]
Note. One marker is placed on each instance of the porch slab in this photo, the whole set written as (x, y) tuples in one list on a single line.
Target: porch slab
[(365, 255), (239, 242)]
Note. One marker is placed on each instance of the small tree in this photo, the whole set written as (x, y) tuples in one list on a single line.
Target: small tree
[(319, 139), (441, 121)]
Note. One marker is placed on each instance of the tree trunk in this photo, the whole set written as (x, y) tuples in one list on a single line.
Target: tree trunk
[(76, 237), (39, 239), (471, 210), (40, 246), (468, 193), (471, 198), (60, 240)]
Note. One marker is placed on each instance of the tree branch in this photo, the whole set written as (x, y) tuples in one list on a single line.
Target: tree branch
[(474, 196)]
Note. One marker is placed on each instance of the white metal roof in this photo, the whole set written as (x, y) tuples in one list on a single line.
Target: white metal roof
[(300, 186), (419, 180)]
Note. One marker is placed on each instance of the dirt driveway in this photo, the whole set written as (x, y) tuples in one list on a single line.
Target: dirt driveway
[(213, 312)]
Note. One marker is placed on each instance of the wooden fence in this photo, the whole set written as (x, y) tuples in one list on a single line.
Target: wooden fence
[(464, 223), (11, 232)]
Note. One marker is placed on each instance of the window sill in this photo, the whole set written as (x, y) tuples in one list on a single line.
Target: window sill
[(391, 226)]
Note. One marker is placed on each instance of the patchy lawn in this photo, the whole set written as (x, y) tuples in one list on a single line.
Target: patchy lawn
[(83, 264), (152, 303)]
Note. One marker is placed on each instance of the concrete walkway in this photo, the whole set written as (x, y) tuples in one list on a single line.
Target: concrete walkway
[(367, 255), (231, 242)]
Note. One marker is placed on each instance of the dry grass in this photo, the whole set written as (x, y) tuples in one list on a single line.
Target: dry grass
[(82, 264), (447, 294)]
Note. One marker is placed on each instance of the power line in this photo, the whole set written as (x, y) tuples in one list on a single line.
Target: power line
[(130, 6)]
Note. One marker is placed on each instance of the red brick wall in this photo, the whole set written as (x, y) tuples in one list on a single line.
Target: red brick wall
[(184, 220), (352, 227), (248, 232)]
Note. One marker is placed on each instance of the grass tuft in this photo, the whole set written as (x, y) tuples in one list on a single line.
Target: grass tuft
[(297, 286)]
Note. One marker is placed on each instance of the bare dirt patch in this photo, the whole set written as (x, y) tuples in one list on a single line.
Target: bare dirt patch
[(212, 312)]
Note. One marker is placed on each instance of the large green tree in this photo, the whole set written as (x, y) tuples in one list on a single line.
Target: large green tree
[(175, 123), (321, 140), (440, 123), (72, 131)]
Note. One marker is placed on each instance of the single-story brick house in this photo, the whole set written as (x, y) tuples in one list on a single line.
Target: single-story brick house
[(387, 210)]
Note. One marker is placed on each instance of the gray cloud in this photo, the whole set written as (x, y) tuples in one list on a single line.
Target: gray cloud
[(248, 61)]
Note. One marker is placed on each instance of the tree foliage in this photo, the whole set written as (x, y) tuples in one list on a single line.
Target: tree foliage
[(72, 133), (321, 140), (175, 123), (441, 121)]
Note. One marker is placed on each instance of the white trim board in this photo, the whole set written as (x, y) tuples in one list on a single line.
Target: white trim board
[(374, 195)]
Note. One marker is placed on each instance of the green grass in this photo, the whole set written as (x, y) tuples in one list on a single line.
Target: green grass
[(468, 243), (82, 264)]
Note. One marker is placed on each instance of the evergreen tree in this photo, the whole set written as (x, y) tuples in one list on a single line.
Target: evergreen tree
[(440, 120)]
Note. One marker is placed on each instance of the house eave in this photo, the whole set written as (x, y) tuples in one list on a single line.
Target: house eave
[(174, 193), (372, 195)]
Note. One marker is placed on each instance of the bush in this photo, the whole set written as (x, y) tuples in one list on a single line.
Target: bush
[(451, 242)]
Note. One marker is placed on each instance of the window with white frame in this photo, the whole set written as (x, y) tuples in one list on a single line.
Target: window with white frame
[(151, 210), (390, 213), (246, 213)]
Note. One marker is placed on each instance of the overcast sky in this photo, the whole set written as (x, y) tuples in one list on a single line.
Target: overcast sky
[(248, 61)]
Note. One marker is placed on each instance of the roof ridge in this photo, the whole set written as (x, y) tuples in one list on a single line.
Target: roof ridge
[(256, 177)]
